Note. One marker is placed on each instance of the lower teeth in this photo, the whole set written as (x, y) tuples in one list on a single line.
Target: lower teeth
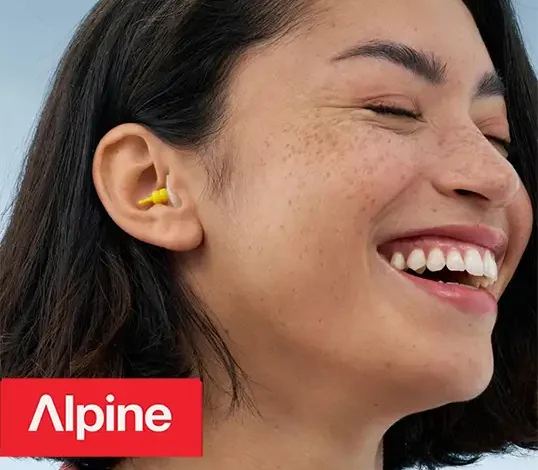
[(458, 284)]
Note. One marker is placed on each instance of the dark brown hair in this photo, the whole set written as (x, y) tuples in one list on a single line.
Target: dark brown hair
[(81, 298)]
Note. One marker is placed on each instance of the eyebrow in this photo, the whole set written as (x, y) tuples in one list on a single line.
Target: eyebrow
[(490, 85), (426, 65)]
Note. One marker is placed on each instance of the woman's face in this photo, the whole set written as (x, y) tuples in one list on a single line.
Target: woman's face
[(296, 261)]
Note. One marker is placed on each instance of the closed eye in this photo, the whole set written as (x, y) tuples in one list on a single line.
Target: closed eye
[(393, 111), (506, 145)]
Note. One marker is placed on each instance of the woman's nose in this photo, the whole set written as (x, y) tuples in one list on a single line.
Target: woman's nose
[(478, 171)]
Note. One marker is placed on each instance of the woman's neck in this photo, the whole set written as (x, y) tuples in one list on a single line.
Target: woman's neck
[(246, 441)]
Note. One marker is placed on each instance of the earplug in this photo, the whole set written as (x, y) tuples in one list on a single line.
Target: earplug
[(162, 196), (174, 200), (157, 197)]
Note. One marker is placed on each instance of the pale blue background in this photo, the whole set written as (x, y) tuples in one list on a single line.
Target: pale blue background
[(33, 34)]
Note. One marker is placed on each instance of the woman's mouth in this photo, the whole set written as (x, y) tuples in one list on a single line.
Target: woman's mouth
[(459, 272)]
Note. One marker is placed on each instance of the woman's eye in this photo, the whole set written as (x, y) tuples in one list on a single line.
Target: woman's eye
[(392, 111)]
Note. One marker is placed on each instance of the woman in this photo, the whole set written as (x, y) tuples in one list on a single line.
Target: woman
[(333, 161)]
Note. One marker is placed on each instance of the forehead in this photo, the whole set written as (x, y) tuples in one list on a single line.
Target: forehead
[(445, 28), (300, 67)]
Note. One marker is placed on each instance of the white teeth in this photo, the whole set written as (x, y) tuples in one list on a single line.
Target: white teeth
[(490, 266), (417, 261), (454, 261), (484, 272), (473, 262), (398, 261), (436, 260)]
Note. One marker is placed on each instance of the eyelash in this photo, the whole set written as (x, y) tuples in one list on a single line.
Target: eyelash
[(393, 110), (401, 112)]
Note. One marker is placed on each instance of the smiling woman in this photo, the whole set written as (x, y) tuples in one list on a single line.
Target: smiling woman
[(352, 258)]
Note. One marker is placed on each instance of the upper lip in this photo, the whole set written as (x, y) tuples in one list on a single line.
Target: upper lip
[(487, 237)]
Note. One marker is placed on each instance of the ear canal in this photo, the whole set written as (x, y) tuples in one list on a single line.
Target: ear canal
[(174, 200)]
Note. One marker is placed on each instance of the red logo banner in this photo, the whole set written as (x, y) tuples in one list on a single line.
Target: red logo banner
[(101, 418)]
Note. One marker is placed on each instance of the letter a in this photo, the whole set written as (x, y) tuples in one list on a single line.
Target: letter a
[(46, 402)]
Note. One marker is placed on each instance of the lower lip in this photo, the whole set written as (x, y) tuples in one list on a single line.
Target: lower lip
[(466, 299)]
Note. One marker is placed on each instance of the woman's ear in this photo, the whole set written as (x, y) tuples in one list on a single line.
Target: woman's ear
[(129, 164)]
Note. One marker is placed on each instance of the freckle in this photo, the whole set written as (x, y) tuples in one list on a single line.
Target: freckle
[(388, 365)]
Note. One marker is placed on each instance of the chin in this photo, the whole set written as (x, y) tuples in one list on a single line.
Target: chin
[(463, 378), (420, 384)]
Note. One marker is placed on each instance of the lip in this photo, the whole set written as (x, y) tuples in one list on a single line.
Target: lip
[(465, 299), (487, 237)]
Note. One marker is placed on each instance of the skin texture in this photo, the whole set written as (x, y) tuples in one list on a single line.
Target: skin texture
[(337, 345)]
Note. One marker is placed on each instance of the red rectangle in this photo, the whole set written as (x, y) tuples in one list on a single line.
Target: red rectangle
[(101, 418)]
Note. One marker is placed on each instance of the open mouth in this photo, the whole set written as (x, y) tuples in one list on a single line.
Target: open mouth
[(443, 261), (445, 276), (458, 265)]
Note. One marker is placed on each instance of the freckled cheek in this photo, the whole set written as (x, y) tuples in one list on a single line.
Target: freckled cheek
[(361, 169), (307, 197), (310, 174)]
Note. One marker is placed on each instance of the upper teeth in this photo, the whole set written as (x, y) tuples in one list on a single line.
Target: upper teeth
[(471, 261), (454, 261)]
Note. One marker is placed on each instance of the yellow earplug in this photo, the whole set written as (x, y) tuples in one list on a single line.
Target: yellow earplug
[(157, 197)]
